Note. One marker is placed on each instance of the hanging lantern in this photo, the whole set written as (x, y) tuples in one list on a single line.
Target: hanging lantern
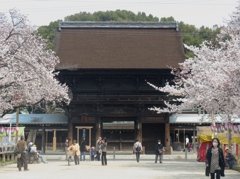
[(12, 130), (7, 131), (230, 127), (235, 128), (2, 130), (226, 126), (218, 129), (222, 128)]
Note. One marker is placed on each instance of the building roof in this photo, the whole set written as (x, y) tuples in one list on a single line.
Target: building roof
[(197, 119), (118, 45), (37, 119)]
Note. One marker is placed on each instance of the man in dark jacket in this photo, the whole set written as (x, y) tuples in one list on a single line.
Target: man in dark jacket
[(159, 151), (21, 148), (83, 149)]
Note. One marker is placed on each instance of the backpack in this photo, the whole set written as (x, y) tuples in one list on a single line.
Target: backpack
[(138, 149)]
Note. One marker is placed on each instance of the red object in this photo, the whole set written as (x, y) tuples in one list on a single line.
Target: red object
[(203, 150)]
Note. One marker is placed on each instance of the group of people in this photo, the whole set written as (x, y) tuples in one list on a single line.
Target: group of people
[(215, 160), (101, 150), (159, 149), (24, 151)]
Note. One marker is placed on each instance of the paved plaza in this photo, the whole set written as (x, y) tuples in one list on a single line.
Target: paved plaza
[(118, 169)]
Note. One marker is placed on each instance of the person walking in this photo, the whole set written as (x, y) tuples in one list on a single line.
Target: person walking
[(83, 149), (187, 144), (137, 148), (66, 148), (21, 148), (98, 144), (104, 151), (75, 148), (215, 160), (159, 149)]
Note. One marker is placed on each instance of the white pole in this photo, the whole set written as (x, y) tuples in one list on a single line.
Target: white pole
[(10, 132)]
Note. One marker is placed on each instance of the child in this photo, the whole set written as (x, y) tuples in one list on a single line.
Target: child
[(92, 153), (190, 147)]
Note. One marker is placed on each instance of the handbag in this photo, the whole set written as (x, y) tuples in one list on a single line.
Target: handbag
[(19, 155), (160, 152)]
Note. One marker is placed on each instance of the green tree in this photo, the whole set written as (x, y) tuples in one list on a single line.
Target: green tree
[(48, 32), (195, 36)]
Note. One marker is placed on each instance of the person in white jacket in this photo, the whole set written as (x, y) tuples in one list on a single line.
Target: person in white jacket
[(137, 149)]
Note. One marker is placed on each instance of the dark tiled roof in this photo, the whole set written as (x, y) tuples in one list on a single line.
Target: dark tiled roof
[(116, 45)]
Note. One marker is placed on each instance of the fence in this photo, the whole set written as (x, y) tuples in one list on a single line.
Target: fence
[(7, 152)]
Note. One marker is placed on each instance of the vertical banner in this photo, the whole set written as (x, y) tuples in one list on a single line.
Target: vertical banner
[(84, 133)]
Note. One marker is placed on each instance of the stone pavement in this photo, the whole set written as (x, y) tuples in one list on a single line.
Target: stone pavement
[(118, 169)]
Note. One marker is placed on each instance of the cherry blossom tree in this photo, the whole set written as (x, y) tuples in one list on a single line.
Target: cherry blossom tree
[(27, 69), (211, 79)]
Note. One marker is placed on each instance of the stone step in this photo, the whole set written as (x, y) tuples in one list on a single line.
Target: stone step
[(129, 157)]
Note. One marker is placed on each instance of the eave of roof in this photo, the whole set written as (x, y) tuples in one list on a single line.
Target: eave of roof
[(37, 119), (197, 119)]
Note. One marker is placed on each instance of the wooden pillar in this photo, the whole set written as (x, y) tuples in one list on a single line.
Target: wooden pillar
[(194, 138), (3, 157), (12, 157), (43, 139), (46, 140), (167, 136), (184, 139), (55, 140), (178, 135), (174, 136), (98, 128), (70, 131), (120, 141), (139, 131), (90, 138), (78, 136)]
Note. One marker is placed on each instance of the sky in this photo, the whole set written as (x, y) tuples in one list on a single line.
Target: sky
[(195, 12)]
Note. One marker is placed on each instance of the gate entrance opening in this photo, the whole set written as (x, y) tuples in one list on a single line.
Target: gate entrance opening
[(119, 134)]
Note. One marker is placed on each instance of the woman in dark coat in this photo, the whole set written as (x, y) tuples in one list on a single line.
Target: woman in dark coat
[(215, 160)]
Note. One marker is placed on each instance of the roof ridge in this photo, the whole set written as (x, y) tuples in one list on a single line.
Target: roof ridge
[(117, 24)]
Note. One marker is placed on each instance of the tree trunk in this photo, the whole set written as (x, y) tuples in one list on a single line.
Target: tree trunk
[(32, 135), (229, 134)]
